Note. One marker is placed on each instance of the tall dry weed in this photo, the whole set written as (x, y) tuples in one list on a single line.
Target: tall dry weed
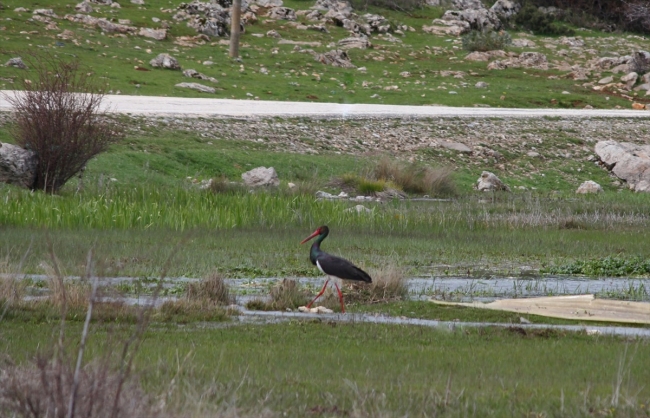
[(211, 289)]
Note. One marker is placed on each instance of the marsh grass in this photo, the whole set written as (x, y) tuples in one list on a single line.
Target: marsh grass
[(415, 178), (388, 285), (212, 289), (286, 294)]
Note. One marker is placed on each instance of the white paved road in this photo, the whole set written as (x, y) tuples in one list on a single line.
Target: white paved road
[(200, 107)]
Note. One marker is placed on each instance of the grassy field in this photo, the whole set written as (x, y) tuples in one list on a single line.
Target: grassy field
[(272, 71), (139, 208), (321, 369)]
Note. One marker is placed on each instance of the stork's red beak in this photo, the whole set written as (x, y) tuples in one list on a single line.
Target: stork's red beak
[(315, 234)]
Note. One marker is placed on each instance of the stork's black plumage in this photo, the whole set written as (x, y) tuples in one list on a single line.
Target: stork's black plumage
[(333, 266)]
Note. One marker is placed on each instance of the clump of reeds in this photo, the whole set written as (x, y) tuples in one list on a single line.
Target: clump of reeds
[(223, 185), (284, 295), (414, 178), (388, 284), (212, 289), (65, 293)]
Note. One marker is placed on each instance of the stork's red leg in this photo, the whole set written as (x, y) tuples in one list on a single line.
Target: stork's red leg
[(340, 297), (319, 294)]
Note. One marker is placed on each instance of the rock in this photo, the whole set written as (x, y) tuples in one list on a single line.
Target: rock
[(505, 9), (157, 34), (358, 209), (606, 80), (17, 165), (140, 2), (281, 13), (273, 34), (261, 176), (196, 86), (533, 154), (45, 12), (335, 58), (467, 4), (630, 79), (110, 27), (390, 194), (66, 35), (165, 61), (377, 23), (317, 309), (447, 28), (268, 3), (490, 182), (324, 195), (348, 43), (481, 85), (456, 146), (523, 43), (84, 7), (640, 62), (478, 19), (589, 186), (629, 162), (525, 60), (16, 62), (195, 74), (572, 42)]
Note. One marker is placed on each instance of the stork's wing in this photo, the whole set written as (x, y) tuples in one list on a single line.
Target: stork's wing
[(342, 268)]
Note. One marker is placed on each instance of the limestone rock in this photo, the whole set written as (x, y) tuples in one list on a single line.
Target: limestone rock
[(110, 27), (358, 209), (629, 162), (353, 42), (523, 43), (84, 7), (490, 182), (630, 79), (268, 3), (261, 176), (505, 9), (467, 4), (478, 19), (196, 86), (447, 28), (157, 34), (17, 165), (456, 146), (282, 13), (16, 62), (195, 74), (335, 58), (165, 61), (589, 186)]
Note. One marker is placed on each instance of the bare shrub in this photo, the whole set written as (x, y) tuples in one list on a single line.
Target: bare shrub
[(637, 16), (58, 116), (43, 389), (212, 289)]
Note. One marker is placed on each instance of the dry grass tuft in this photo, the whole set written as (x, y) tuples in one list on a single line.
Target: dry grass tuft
[(212, 289), (284, 295), (413, 178), (223, 185), (387, 285), (43, 388)]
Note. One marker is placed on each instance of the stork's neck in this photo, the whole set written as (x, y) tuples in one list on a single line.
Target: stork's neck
[(315, 248)]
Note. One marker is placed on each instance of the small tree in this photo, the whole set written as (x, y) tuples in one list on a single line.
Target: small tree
[(58, 117)]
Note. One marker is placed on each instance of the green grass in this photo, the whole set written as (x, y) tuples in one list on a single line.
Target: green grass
[(291, 74), (321, 369)]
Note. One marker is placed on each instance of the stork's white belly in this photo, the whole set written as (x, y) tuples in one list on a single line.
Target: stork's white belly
[(319, 267)]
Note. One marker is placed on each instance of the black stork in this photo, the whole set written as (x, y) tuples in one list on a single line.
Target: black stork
[(332, 266)]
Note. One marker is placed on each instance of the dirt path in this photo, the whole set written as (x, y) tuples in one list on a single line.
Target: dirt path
[(199, 107)]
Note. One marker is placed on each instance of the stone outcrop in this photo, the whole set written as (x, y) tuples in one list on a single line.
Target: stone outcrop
[(489, 182), (524, 60), (165, 61), (17, 165), (629, 162), (505, 9), (588, 187), (335, 58), (197, 87), (16, 62), (478, 19), (261, 176)]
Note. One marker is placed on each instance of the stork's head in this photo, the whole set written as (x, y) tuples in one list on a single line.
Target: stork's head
[(321, 230)]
